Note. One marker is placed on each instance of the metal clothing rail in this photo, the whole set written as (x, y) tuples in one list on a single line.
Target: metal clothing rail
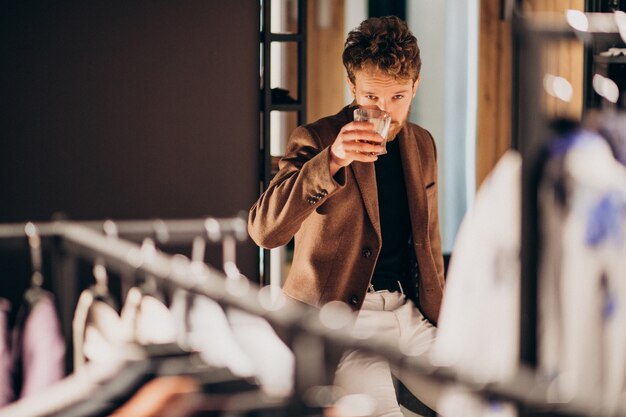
[(172, 231), (309, 332)]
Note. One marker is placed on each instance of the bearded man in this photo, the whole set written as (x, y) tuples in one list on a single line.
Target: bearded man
[(365, 224)]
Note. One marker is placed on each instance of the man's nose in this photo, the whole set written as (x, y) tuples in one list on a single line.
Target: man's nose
[(382, 104)]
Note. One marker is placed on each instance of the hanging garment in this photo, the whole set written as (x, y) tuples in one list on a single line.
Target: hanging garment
[(582, 299), (209, 332), (273, 361), (613, 128), (478, 330), (97, 329), (6, 382), (37, 346), (65, 393), (459, 402), (611, 125), (147, 320)]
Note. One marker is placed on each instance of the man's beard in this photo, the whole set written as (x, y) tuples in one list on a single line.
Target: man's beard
[(396, 127)]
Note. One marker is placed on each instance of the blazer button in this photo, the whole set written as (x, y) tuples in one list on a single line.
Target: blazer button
[(367, 253), (354, 300)]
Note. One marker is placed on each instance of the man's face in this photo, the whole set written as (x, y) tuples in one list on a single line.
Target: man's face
[(374, 88)]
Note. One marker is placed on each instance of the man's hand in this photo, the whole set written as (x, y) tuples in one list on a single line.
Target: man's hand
[(357, 141)]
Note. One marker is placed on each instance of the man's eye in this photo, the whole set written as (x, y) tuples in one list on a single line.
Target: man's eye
[(398, 97), (370, 97)]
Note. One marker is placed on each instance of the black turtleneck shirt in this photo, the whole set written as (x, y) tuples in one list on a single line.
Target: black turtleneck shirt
[(395, 223)]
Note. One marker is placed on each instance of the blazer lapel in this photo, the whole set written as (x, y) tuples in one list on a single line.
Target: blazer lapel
[(366, 179), (414, 182)]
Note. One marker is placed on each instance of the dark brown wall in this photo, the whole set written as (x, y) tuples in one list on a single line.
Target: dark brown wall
[(129, 109)]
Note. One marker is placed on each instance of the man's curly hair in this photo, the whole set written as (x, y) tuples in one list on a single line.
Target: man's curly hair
[(387, 44)]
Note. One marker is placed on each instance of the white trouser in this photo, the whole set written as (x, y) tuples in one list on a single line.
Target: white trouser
[(391, 316)]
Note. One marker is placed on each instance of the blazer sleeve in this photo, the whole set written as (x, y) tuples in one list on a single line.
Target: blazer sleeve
[(301, 185)]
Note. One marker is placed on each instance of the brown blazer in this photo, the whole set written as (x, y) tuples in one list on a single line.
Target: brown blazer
[(335, 219)]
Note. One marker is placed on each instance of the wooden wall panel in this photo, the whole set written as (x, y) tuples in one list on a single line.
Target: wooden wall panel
[(326, 75), (493, 134), (564, 59)]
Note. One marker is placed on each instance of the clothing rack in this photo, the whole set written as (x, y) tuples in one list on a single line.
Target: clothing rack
[(64, 264), (308, 331), (530, 135)]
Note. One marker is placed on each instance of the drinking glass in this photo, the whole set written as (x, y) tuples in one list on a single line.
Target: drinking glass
[(379, 118)]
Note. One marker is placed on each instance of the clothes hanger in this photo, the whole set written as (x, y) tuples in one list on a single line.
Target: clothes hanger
[(207, 328), (178, 357), (147, 318), (277, 383), (150, 286), (96, 326), (35, 291), (37, 305), (100, 289), (236, 283)]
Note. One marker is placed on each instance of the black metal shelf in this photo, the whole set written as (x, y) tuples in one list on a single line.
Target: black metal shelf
[(286, 107), (267, 105), (282, 37), (600, 59), (595, 44)]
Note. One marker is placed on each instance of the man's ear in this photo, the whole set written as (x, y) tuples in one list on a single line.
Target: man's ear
[(416, 84), (352, 87)]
